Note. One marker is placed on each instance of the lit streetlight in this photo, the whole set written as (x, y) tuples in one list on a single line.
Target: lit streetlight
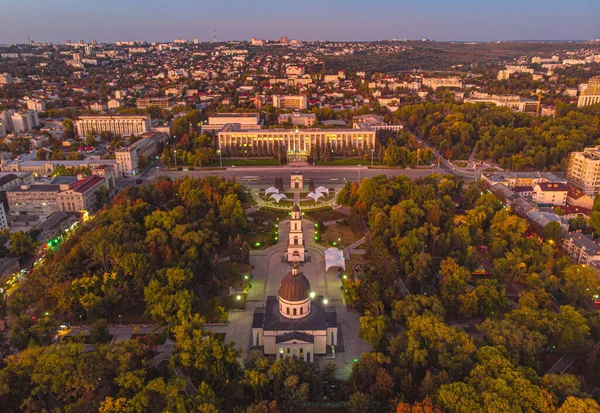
[(220, 152), (372, 155)]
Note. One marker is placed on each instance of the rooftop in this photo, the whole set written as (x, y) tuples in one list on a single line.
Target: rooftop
[(319, 318)]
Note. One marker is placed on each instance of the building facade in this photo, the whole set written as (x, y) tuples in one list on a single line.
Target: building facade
[(217, 121), (37, 200), (591, 95), (583, 170), (297, 323), (550, 193), (128, 157), (298, 119), (298, 141), (117, 124), (80, 195), (145, 103), (294, 102)]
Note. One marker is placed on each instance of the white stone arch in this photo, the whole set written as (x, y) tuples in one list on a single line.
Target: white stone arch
[(271, 190), (323, 190), (315, 196), (278, 197)]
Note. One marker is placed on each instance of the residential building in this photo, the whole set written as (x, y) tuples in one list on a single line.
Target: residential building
[(375, 122), (39, 200), (582, 170), (117, 124), (109, 173), (550, 193), (297, 141), (145, 103), (9, 180), (517, 179), (591, 94), (81, 195), (37, 105), (46, 168), (577, 198), (298, 119), (128, 157), (5, 79), (435, 83), (114, 104), (514, 102), (98, 107), (296, 71), (294, 102), (24, 121), (217, 121), (581, 248)]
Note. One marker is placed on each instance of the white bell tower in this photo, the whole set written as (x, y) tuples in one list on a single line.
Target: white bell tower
[(296, 252)]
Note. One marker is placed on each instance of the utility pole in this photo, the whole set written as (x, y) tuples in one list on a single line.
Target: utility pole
[(214, 32)]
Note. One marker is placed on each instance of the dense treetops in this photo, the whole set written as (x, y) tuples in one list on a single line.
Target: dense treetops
[(432, 234), (515, 140)]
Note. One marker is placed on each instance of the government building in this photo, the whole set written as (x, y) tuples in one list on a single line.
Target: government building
[(118, 124), (298, 141)]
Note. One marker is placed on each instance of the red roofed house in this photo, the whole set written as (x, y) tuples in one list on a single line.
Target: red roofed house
[(576, 197), (81, 195)]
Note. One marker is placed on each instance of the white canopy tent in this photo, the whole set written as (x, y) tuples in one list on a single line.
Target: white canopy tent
[(334, 258), (315, 196), (278, 197), (271, 190), (322, 189)]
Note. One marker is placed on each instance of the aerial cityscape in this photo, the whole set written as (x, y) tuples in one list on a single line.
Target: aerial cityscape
[(235, 207)]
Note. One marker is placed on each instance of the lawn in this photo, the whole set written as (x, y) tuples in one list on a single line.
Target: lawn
[(259, 235), (348, 161), (324, 215), (246, 162), (271, 215), (342, 235)]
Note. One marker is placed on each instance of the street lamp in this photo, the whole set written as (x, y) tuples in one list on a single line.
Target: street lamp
[(359, 166), (372, 155), (175, 150), (220, 152), (119, 319)]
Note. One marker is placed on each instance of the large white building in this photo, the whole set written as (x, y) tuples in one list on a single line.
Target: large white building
[(298, 118), (298, 141), (117, 124), (437, 82), (217, 121), (591, 94), (24, 121), (583, 170), (128, 157), (296, 102), (36, 104)]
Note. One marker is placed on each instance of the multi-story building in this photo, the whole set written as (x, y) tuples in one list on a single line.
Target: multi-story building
[(581, 248), (217, 121), (145, 103), (583, 170), (514, 102), (294, 102), (128, 157), (81, 195), (115, 104), (9, 180), (5, 79), (294, 71), (375, 122), (550, 193), (98, 107), (24, 121), (298, 119), (591, 94), (120, 94), (437, 82), (297, 141), (117, 124), (37, 200), (46, 168), (109, 173), (513, 180), (36, 104)]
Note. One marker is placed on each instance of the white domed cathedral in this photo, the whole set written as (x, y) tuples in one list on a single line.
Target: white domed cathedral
[(296, 323)]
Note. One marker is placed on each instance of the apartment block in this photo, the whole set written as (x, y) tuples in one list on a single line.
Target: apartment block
[(583, 170), (294, 102)]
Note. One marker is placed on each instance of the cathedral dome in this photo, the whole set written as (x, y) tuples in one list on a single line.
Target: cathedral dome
[(294, 287)]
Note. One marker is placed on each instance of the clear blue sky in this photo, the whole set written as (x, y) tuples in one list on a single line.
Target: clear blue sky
[(154, 20)]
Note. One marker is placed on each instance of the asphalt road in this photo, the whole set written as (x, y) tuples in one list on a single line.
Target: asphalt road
[(261, 176)]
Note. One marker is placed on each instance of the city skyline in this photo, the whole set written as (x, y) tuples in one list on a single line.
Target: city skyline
[(434, 19)]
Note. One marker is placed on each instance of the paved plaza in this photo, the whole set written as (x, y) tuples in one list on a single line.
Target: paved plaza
[(269, 270)]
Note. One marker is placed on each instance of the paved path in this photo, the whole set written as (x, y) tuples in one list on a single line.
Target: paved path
[(356, 244)]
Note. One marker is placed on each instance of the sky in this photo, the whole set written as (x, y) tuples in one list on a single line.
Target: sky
[(164, 20)]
